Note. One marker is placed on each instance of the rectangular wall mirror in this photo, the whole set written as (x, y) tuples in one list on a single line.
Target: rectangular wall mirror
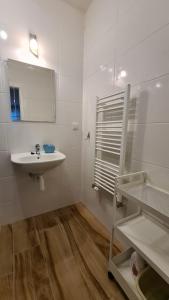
[(32, 92)]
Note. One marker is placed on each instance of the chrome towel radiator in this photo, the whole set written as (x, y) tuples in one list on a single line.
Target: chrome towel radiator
[(111, 139)]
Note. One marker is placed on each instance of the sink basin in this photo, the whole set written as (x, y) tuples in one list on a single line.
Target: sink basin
[(34, 165)]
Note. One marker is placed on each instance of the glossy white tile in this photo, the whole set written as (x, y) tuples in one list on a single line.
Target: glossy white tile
[(59, 28), (157, 175), (146, 61), (4, 107), (3, 137), (8, 190), (131, 29), (6, 167), (11, 212), (3, 77), (73, 90), (68, 112), (22, 137), (150, 144), (137, 45), (99, 19), (151, 101), (101, 55)]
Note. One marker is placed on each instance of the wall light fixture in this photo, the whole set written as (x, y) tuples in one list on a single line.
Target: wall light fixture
[(3, 35), (33, 44), (123, 74)]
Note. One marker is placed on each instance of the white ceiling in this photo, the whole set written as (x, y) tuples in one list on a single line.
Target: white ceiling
[(80, 4)]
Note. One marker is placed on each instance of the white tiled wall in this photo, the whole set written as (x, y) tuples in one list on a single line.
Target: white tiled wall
[(130, 35), (59, 28)]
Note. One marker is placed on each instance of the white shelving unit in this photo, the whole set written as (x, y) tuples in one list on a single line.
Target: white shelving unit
[(146, 231), (119, 267)]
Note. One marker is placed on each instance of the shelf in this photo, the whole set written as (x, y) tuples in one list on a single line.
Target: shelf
[(120, 267), (147, 231), (150, 240), (150, 198)]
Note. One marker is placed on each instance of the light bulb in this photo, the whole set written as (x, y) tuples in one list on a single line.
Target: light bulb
[(123, 74), (33, 44)]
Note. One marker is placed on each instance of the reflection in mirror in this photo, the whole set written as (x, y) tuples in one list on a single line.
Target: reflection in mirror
[(32, 92), (15, 104)]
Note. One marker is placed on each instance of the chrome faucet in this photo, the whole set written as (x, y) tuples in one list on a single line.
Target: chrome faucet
[(37, 148)]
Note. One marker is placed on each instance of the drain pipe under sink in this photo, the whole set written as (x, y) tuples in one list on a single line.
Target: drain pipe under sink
[(40, 179), (41, 183)]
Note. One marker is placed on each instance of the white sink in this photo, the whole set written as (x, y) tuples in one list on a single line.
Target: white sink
[(30, 163)]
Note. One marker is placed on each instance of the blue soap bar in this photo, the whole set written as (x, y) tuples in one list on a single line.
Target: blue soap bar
[(49, 148)]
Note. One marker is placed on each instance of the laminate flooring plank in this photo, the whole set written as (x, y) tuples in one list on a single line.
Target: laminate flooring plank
[(42, 285), (59, 255), (67, 280), (23, 280), (97, 230), (6, 250), (25, 235), (31, 276), (6, 288), (46, 220), (95, 291), (94, 260)]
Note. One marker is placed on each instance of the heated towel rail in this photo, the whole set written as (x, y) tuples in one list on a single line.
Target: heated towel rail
[(111, 139)]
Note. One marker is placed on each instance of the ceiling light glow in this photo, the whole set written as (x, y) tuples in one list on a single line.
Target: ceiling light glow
[(158, 85)]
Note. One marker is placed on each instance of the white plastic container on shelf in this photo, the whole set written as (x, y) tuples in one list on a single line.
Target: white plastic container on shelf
[(138, 264)]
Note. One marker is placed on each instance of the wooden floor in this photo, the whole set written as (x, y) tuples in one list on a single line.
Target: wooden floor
[(59, 255)]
